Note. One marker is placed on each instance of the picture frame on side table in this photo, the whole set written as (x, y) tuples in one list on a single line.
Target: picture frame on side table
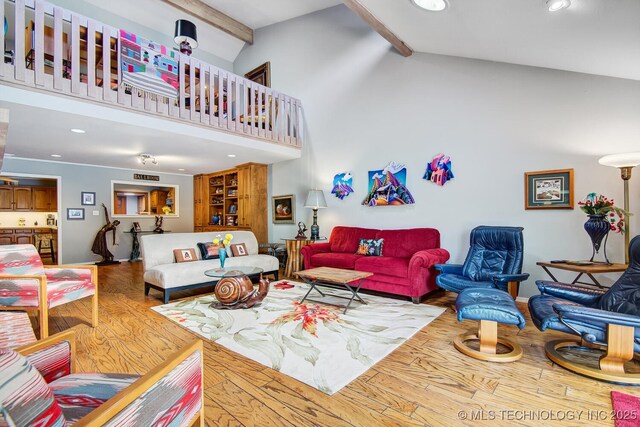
[(552, 189), (88, 198), (282, 209), (75, 214), (136, 226)]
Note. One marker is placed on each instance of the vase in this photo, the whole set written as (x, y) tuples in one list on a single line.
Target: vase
[(597, 227), (215, 219), (222, 253)]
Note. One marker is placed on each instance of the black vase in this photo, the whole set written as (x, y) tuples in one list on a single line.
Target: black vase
[(597, 227)]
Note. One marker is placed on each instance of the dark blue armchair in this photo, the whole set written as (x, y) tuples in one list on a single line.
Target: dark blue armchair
[(494, 261), (608, 320)]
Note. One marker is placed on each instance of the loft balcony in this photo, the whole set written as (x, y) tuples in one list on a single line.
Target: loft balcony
[(52, 50)]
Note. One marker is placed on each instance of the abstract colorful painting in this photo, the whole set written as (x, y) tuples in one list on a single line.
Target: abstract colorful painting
[(342, 185), (387, 187), (439, 170), (148, 66)]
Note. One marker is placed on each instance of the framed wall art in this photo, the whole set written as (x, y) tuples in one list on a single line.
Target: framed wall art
[(551, 189), (387, 187), (261, 74), (88, 198), (282, 209), (75, 213)]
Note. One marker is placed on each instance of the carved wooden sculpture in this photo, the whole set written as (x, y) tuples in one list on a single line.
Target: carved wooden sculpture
[(238, 292)]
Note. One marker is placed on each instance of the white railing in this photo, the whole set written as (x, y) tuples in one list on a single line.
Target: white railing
[(59, 51)]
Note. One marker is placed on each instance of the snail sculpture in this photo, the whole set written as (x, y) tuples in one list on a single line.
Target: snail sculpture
[(238, 292)]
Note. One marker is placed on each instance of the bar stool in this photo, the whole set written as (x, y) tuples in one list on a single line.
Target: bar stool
[(45, 244)]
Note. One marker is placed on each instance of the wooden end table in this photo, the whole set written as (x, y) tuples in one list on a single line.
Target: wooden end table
[(334, 278), (588, 270), (294, 258)]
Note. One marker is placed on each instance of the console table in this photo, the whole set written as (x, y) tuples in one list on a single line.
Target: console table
[(135, 244), (586, 269)]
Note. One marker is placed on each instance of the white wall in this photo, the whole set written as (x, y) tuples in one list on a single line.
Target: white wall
[(365, 105), (77, 236)]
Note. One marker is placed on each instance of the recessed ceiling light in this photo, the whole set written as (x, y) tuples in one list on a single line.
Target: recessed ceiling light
[(556, 5), (181, 169), (78, 130), (431, 5), (231, 155), (56, 155)]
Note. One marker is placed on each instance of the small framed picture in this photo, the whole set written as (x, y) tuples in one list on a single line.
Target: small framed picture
[(282, 209), (75, 213), (88, 198), (551, 189), (136, 227)]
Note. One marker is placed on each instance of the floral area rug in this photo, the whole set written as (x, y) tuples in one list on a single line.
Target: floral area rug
[(312, 342)]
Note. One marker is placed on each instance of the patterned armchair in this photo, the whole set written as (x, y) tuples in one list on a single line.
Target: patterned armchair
[(26, 284), (494, 261), (38, 386)]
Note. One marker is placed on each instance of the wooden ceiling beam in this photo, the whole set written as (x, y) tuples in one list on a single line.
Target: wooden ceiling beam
[(378, 25), (212, 16)]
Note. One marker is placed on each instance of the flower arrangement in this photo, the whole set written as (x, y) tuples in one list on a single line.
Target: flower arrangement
[(225, 242), (597, 204)]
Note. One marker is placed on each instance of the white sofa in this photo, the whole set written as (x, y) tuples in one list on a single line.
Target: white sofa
[(161, 271)]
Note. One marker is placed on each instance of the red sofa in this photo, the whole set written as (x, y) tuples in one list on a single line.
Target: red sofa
[(405, 267)]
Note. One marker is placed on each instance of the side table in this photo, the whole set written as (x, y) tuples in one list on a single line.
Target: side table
[(587, 270), (294, 259)]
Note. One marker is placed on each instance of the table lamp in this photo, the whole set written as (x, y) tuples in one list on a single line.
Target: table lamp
[(315, 201), (625, 162)]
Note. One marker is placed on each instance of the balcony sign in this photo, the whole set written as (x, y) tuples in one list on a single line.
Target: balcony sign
[(143, 177)]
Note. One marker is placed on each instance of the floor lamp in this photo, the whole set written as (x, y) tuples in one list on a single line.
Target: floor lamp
[(625, 162)]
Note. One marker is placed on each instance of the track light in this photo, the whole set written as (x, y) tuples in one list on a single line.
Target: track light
[(144, 158)]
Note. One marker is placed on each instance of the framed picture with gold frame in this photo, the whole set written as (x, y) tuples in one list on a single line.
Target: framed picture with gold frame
[(261, 74), (552, 189), (283, 209)]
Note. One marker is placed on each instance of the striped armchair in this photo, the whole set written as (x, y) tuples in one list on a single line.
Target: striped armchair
[(38, 386), (26, 284)]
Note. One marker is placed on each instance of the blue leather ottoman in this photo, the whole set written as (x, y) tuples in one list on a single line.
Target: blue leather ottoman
[(490, 307)]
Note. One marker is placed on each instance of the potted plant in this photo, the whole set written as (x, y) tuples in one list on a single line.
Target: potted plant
[(604, 216)]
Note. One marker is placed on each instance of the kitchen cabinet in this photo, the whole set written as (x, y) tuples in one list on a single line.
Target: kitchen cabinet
[(28, 199), (158, 201), (44, 199), (21, 235)]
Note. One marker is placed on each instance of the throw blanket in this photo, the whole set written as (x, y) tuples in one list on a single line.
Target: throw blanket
[(148, 66)]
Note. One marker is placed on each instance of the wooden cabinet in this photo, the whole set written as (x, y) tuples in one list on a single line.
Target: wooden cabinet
[(22, 199), (26, 199), (6, 198), (21, 236), (198, 202), (238, 196), (158, 200)]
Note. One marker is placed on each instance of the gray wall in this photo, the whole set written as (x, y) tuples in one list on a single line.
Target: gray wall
[(77, 236), (365, 105)]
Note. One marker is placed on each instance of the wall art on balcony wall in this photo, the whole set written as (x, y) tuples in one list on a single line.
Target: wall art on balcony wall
[(439, 170), (342, 185), (148, 66), (387, 187)]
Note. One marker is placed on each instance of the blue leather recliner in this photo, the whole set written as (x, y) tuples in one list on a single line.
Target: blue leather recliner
[(494, 261), (606, 318)]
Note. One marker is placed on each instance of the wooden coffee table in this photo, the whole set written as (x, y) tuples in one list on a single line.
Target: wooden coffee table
[(334, 278)]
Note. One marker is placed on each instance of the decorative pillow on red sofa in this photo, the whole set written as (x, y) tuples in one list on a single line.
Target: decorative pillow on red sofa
[(346, 239), (370, 247)]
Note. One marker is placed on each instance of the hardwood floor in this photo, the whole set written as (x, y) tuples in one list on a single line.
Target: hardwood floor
[(425, 382)]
